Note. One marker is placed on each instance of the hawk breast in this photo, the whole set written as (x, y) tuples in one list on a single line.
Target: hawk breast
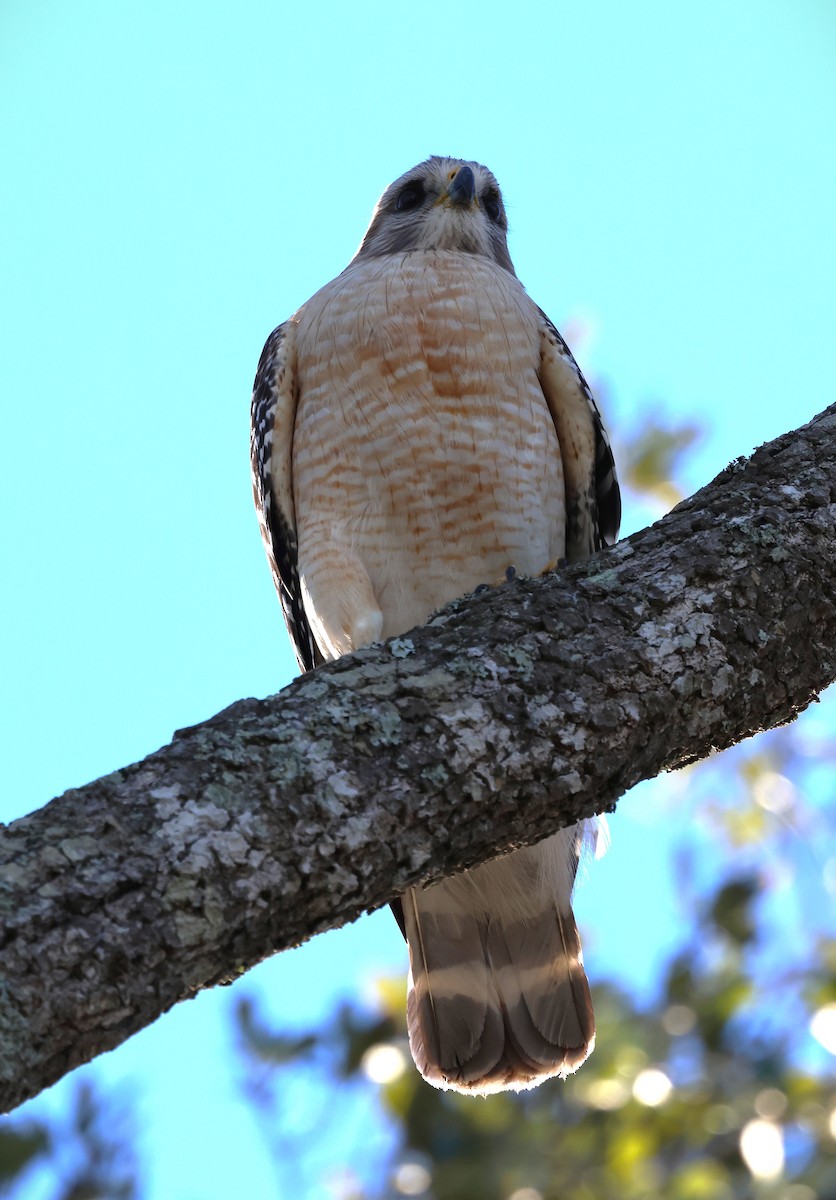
[(423, 443)]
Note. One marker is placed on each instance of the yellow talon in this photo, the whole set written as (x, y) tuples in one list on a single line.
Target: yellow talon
[(553, 565)]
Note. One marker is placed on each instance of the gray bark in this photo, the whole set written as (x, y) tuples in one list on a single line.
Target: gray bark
[(514, 712)]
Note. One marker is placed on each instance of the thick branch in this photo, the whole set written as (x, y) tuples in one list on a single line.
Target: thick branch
[(513, 713)]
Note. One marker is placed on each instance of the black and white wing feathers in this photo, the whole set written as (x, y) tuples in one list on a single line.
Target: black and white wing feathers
[(593, 497), (273, 413)]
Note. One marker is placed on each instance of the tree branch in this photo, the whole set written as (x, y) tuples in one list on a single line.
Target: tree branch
[(512, 713)]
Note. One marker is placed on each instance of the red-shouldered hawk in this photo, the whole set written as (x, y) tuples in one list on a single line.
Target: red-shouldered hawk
[(419, 427)]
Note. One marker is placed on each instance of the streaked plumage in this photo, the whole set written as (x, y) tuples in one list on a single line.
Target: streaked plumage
[(419, 426)]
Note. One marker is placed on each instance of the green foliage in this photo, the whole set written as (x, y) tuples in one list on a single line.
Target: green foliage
[(651, 457), (731, 909), (85, 1154), (20, 1145)]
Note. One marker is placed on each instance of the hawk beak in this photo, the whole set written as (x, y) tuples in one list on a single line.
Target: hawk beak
[(461, 190)]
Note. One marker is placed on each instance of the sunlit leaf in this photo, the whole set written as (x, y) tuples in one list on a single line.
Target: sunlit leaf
[(701, 1180), (651, 458)]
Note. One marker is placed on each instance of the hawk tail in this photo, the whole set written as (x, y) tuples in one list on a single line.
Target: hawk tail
[(498, 997)]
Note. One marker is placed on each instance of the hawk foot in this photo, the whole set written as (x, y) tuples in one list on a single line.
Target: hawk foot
[(510, 573), (554, 564)]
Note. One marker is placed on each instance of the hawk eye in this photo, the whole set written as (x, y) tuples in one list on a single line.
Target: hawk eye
[(491, 204), (410, 196)]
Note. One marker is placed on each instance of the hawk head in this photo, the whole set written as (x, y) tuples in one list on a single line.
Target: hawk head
[(442, 204)]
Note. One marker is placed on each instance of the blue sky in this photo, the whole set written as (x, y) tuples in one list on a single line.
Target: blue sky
[(179, 178)]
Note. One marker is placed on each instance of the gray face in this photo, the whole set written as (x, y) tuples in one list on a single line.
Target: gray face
[(442, 204)]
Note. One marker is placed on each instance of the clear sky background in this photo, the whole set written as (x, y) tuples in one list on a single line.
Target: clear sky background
[(175, 180)]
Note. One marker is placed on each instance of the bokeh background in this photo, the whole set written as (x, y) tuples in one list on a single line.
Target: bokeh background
[(176, 179)]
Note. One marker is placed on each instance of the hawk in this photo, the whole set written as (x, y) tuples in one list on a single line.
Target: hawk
[(419, 427)]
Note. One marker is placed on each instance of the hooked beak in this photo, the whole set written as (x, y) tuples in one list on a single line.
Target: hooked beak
[(461, 190)]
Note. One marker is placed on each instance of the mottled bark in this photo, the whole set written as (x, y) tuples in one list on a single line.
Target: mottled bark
[(512, 713)]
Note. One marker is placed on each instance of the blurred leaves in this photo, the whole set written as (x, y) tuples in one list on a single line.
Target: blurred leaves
[(651, 457), (86, 1153), (19, 1145), (731, 909)]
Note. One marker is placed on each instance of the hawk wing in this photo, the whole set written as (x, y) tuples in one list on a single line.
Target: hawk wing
[(593, 497), (272, 414)]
